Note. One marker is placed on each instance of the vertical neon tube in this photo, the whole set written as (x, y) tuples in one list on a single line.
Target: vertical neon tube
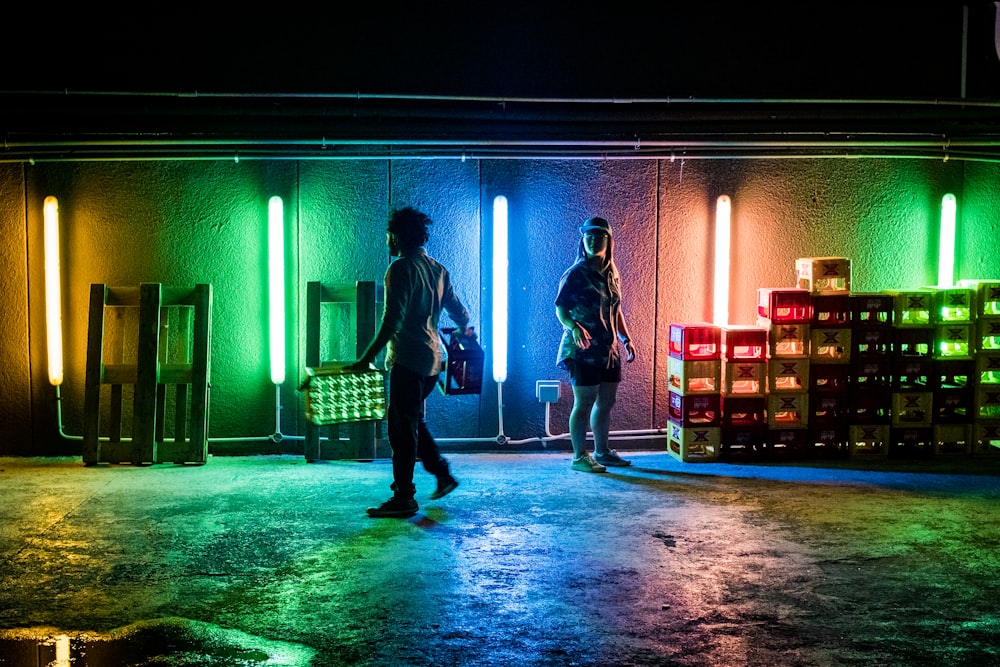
[(500, 264), (276, 283), (53, 291), (946, 242), (723, 207)]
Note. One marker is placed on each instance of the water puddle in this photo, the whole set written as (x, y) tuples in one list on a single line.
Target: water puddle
[(168, 642)]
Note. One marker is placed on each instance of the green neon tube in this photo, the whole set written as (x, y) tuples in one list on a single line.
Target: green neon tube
[(276, 284), (946, 242)]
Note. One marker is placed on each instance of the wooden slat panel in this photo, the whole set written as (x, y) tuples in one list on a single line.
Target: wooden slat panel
[(147, 377), (176, 374), (201, 364), (119, 374), (115, 418), (122, 296), (314, 293), (92, 382)]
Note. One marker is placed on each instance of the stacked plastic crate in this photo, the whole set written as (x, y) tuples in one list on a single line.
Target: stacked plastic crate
[(871, 375), (953, 363), (694, 369), (912, 369), (829, 281), (786, 313), (986, 409), (744, 398)]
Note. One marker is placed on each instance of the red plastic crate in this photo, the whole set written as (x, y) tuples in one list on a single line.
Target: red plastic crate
[(742, 443), (912, 373), (953, 373), (786, 444), (867, 342), (744, 343), (829, 409), (913, 341), (831, 310), (911, 442), (868, 441), (697, 340), (784, 305), (829, 441), (871, 309), (744, 411), (871, 406), (829, 378), (695, 409), (871, 372)]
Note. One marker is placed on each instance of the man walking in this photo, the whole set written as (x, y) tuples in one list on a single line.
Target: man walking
[(417, 289)]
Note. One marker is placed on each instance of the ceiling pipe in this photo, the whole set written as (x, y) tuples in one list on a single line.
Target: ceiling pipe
[(359, 96), (96, 126)]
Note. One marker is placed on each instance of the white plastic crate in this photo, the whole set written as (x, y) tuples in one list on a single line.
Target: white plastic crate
[(336, 395)]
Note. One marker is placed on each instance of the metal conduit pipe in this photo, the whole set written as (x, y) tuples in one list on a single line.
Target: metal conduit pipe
[(495, 99)]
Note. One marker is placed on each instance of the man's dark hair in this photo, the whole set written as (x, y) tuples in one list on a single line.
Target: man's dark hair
[(410, 226)]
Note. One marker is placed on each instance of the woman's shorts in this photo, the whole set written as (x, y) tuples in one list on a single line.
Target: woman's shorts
[(586, 375)]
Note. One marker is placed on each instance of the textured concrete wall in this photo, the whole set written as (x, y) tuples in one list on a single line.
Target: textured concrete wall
[(15, 359), (182, 223)]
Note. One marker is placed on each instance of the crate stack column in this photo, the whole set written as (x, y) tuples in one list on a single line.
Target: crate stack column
[(694, 369), (744, 397), (953, 364), (913, 379), (786, 313), (871, 375), (829, 281), (985, 438)]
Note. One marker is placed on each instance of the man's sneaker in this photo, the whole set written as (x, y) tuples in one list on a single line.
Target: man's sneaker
[(394, 508), (586, 463), (611, 458), (445, 486)]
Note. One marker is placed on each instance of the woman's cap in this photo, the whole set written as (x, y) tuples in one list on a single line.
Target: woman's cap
[(596, 223)]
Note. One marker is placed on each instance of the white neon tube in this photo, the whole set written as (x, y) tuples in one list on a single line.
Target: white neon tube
[(500, 264), (946, 242), (720, 304), (276, 284), (53, 291)]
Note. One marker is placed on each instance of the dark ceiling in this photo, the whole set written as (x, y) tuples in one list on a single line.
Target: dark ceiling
[(522, 80)]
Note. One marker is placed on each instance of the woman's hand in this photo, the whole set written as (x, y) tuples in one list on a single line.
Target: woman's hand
[(629, 351), (581, 336)]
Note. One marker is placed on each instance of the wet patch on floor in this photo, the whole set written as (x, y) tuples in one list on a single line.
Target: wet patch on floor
[(170, 642)]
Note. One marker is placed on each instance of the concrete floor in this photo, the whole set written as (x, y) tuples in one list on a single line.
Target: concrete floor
[(269, 560)]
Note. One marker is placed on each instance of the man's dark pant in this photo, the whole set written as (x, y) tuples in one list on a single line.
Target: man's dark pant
[(408, 434)]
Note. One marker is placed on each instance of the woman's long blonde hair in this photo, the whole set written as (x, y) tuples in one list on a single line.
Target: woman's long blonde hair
[(609, 268)]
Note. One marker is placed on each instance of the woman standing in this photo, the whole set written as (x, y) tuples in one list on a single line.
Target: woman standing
[(589, 306)]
